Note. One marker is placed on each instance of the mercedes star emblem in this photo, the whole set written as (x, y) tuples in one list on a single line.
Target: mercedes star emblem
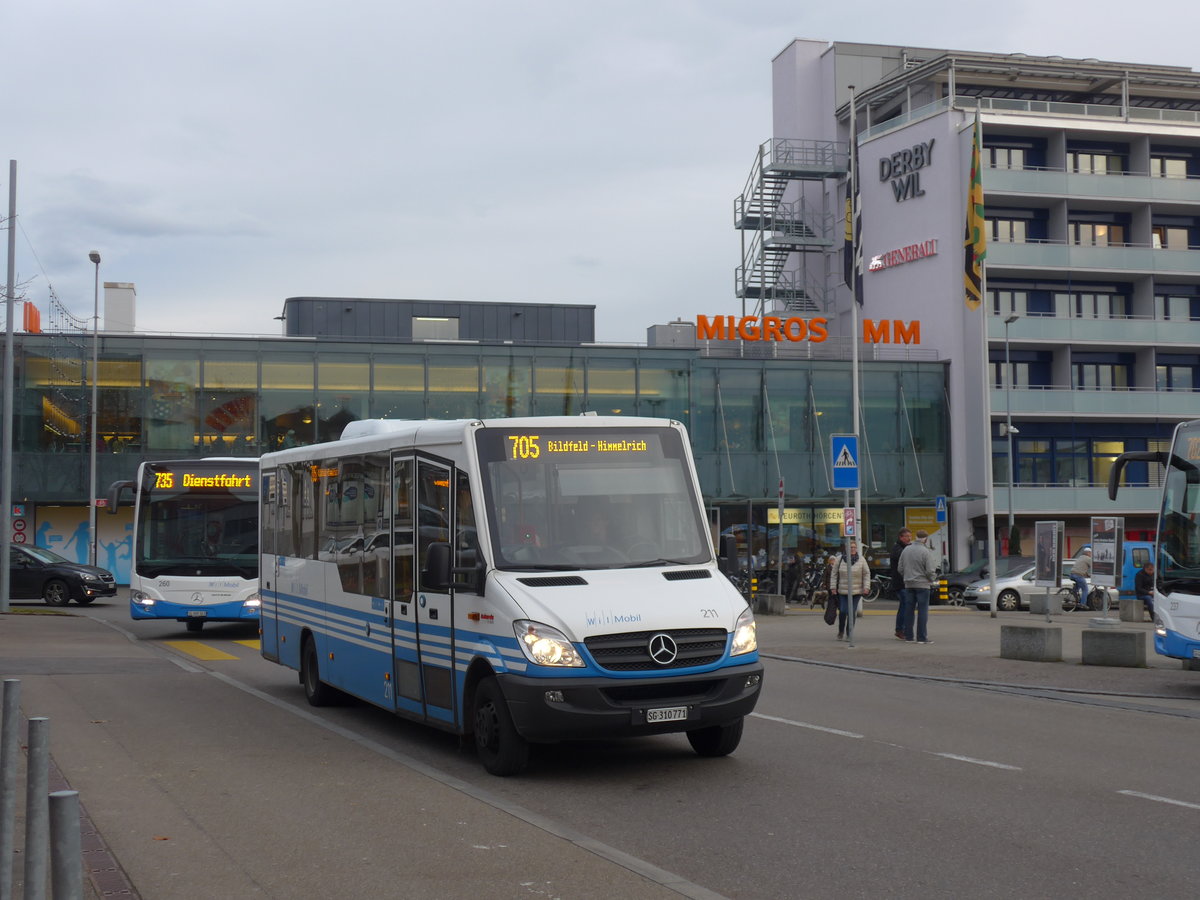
[(663, 649)]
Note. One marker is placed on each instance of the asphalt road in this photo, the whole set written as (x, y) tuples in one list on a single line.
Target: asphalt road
[(847, 783)]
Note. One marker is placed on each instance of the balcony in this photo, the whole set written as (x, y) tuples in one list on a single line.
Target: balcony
[(1057, 260), (1055, 500), (1129, 331), (1056, 185), (1066, 402)]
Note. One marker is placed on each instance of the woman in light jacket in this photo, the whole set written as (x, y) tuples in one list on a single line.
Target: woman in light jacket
[(848, 583)]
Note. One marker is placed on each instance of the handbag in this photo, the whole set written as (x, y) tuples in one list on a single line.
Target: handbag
[(831, 609)]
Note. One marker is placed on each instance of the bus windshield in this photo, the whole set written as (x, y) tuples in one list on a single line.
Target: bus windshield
[(590, 498), (195, 520), (1179, 536)]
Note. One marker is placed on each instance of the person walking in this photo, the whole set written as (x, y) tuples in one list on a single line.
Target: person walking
[(848, 583), (1143, 587), (1079, 574), (919, 572), (903, 539)]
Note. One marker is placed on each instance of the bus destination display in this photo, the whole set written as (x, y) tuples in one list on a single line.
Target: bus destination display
[(535, 446), (186, 480)]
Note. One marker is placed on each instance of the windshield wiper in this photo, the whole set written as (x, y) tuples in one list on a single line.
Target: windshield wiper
[(657, 562), (539, 567)]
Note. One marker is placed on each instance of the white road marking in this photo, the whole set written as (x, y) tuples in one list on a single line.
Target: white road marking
[(978, 762), (1158, 799), (850, 734)]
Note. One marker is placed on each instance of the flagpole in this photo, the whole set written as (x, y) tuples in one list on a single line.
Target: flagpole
[(855, 299)]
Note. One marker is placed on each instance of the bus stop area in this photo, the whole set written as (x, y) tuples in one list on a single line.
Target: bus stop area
[(157, 750)]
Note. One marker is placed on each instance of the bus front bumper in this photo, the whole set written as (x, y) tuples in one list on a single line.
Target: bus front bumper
[(546, 710), (233, 611)]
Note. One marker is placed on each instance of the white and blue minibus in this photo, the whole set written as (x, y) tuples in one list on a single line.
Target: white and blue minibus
[(516, 581)]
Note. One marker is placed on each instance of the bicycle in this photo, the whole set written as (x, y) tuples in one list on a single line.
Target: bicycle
[(1070, 598)]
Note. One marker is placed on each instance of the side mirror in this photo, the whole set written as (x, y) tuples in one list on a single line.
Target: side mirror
[(727, 554), (114, 495)]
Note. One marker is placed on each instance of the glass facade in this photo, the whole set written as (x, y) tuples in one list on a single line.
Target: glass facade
[(752, 422)]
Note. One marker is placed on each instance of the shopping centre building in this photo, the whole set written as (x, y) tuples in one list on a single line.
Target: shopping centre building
[(1086, 342)]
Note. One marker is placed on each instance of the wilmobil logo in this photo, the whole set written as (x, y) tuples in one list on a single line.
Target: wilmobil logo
[(607, 617), (775, 328)]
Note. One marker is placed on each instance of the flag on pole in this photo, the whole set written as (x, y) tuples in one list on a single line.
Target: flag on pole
[(975, 241), (852, 268)]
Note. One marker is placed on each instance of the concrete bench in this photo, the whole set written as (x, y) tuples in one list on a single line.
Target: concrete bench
[(1114, 647), (769, 604), (1132, 610), (1039, 643)]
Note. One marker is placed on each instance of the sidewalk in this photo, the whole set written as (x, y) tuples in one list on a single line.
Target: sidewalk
[(966, 647), (186, 779)]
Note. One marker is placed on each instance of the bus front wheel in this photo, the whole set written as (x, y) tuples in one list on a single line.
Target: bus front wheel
[(501, 749), (317, 692), (716, 740)]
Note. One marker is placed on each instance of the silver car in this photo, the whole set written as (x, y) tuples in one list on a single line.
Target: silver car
[(1013, 591)]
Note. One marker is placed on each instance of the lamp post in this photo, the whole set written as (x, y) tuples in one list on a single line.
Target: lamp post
[(1008, 429), (94, 256)]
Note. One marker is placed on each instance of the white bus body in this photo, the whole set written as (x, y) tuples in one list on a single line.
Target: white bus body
[(459, 573), (1177, 548), (195, 540)]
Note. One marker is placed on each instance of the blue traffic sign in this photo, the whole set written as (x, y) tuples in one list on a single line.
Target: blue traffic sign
[(845, 462), (941, 509)]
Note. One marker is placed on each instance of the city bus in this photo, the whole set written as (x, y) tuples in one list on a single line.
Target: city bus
[(195, 540), (1177, 548), (513, 581)]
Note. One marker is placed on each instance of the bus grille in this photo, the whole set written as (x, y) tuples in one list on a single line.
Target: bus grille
[(630, 652)]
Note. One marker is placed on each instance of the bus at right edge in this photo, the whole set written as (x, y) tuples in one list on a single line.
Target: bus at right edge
[(1177, 547)]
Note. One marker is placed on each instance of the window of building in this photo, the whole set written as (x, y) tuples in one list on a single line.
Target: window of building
[(1174, 162), (1177, 372), (1096, 234), (172, 384), (229, 405), (398, 388), (1027, 368), (506, 387), (1005, 157), (611, 387), (1093, 305), (434, 328), (1102, 371), (453, 387), (1177, 303), (663, 390), (1009, 231), (343, 390), (557, 386), (1084, 162), (287, 406)]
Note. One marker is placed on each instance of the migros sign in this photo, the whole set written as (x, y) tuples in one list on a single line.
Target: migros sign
[(795, 329)]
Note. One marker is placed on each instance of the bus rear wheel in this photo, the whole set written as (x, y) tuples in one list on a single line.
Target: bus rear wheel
[(317, 692), (716, 740), (501, 748)]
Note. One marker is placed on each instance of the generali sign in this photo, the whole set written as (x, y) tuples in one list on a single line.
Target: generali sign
[(796, 329)]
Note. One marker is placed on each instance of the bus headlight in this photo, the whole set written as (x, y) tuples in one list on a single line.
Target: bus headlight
[(254, 601), (545, 646), (141, 599), (745, 634)]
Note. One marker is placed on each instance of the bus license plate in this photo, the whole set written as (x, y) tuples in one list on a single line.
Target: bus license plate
[(197, 613), (669, 714)]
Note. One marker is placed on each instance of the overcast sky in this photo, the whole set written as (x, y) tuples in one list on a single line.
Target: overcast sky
[(223, 156)]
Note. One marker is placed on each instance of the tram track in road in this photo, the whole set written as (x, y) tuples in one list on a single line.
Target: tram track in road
[(1091, 696)]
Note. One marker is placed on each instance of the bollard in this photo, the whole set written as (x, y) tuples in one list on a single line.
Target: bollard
[(66, 846), (37, 807), (9, 747)]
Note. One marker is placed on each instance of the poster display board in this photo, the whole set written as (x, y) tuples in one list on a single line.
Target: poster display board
[(1108, 535), (1048, 546)]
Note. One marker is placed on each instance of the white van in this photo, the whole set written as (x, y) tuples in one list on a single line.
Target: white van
[(526, 580)]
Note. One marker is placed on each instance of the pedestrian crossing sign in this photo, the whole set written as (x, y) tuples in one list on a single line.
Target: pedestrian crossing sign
[(845, 462)]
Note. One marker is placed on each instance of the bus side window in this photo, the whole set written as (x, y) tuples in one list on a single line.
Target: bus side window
[(466, 536)]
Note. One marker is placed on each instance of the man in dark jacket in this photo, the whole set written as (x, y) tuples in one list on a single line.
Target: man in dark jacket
[(903, 539), (1143, 587)]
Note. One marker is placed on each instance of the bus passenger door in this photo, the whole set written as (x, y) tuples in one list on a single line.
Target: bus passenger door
[(268, 566), (406, 670), (434, 606)]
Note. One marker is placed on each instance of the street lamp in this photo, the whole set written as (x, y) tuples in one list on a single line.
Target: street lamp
[(94, 256), (1008, 427)]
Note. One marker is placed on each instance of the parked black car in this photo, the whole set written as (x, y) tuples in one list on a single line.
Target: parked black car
[(37, 572)]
